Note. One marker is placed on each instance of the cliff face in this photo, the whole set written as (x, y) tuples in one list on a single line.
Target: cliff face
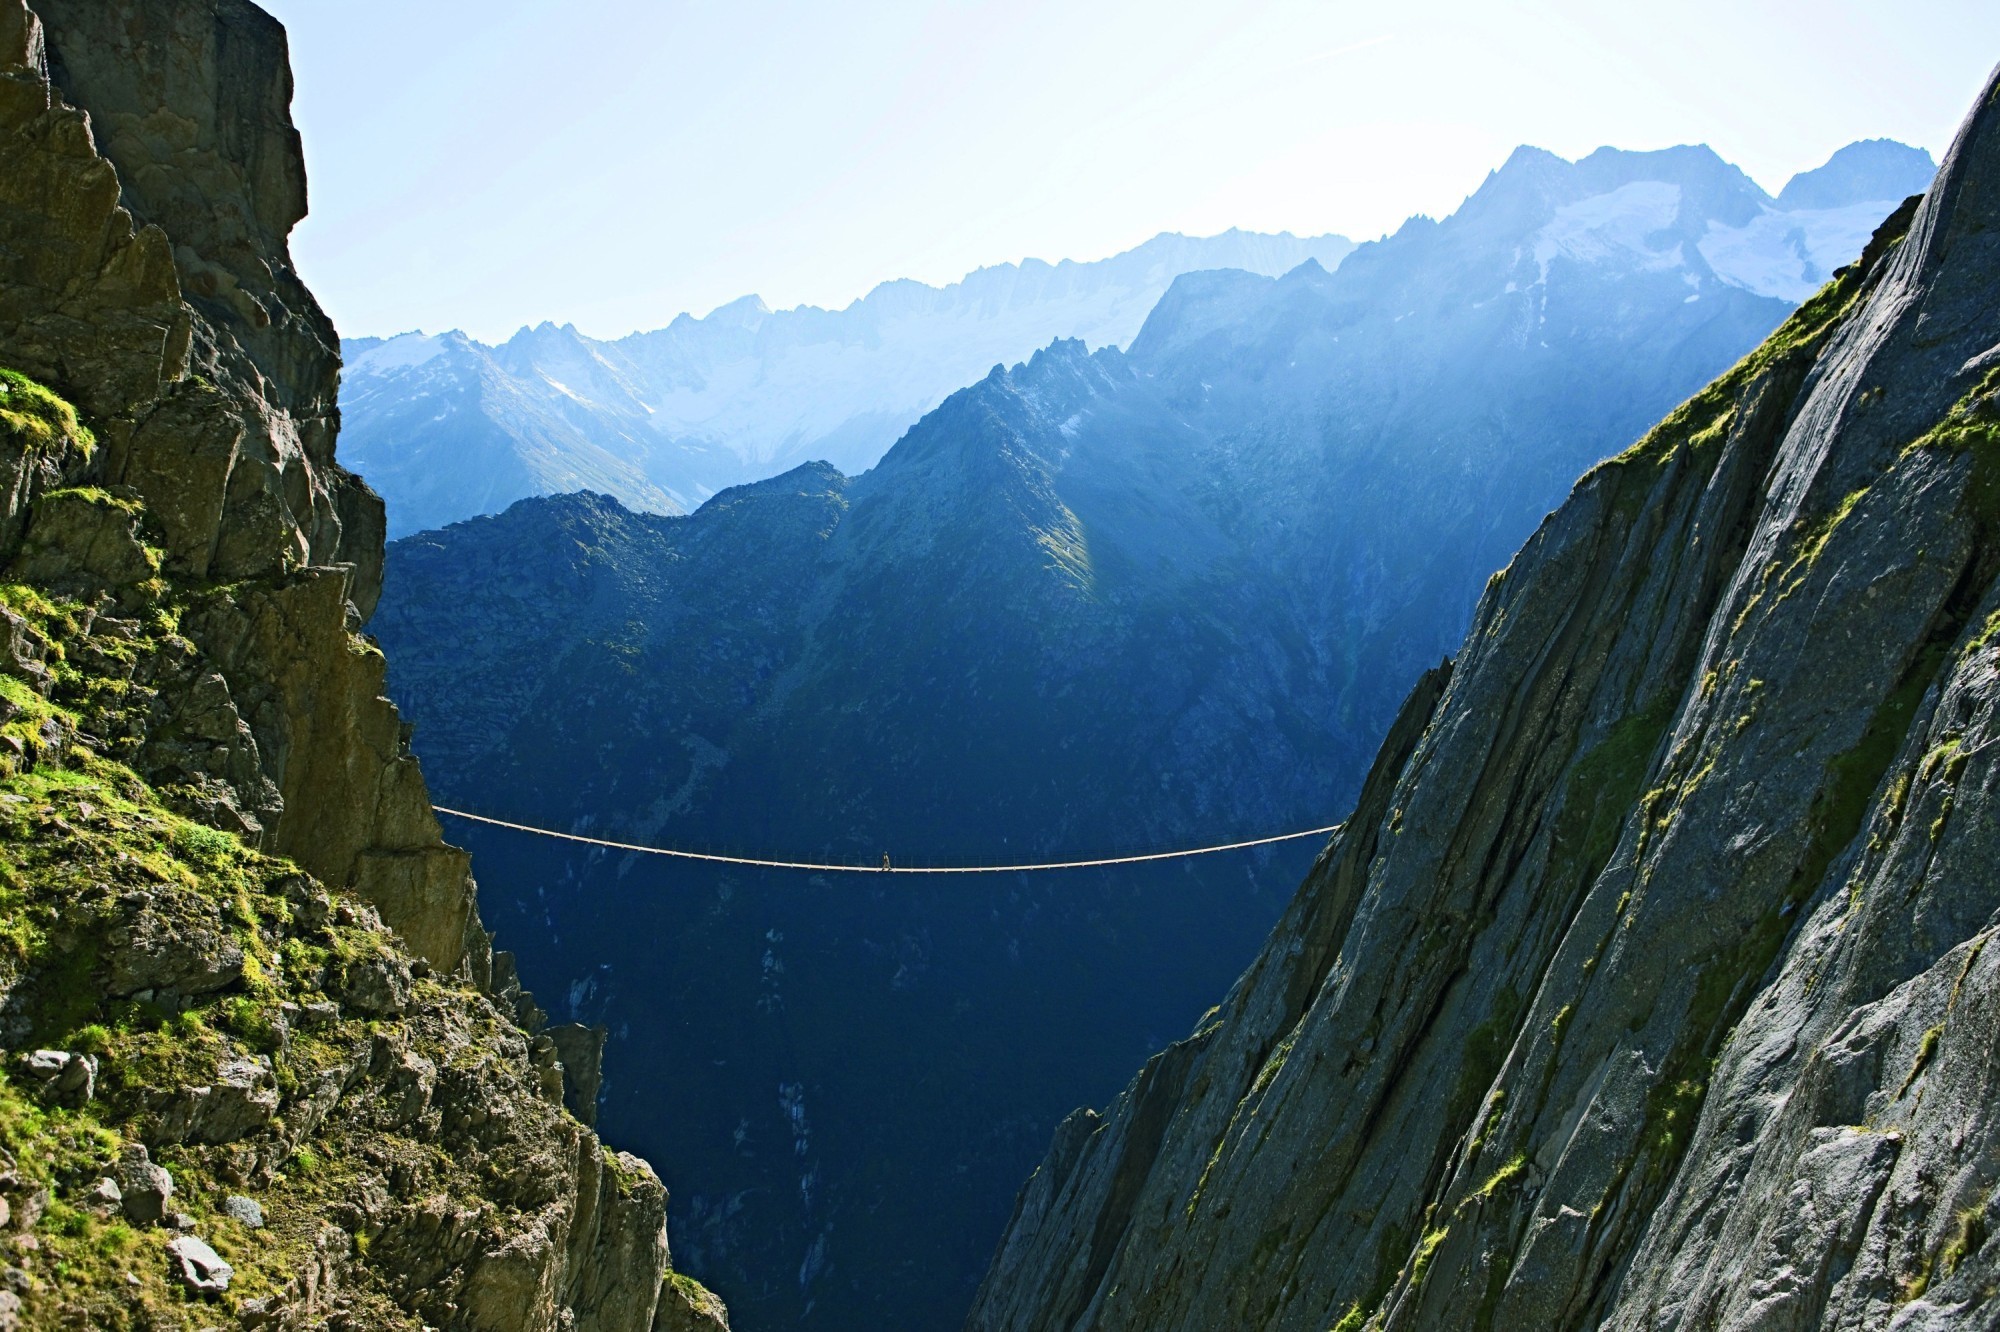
[(1647, 986), (256, 1054)]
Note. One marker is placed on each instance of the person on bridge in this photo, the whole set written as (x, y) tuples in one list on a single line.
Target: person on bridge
[(885, 860)]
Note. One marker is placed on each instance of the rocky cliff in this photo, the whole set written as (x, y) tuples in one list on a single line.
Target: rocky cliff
[(261, 1063), (1647, 986)]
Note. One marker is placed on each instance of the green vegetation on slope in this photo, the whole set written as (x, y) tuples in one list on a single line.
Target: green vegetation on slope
[(31, 413), (259, 1036)]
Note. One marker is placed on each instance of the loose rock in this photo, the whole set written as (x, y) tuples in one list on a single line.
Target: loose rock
[(145, 1186), (198, 1267), (245, 1211)]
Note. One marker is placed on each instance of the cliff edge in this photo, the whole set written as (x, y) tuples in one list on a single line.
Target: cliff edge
[(1647, 986), (260, 1060)]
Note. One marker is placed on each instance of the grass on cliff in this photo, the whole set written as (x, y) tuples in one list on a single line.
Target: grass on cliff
[(88, 852), (32, 414), (82, 837), (73, 840), (1705, 419)]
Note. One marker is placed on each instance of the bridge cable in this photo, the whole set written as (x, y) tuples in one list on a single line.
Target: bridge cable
[(879, 869)]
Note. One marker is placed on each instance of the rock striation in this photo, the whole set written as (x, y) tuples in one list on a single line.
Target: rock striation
[(1648, 985), (259, 1063)]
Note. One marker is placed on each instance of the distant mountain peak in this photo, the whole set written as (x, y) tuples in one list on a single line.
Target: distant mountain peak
[(667, 418), (746, 310), (1861, 172)]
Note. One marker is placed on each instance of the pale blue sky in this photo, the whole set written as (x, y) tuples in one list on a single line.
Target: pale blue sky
[(488, 163)]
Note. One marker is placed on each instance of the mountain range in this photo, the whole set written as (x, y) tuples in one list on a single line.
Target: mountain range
[(448, 428), (1105, 600)]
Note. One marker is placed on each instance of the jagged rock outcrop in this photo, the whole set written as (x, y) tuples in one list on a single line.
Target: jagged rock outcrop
[(145, 273), (1647, 987), (265, 1074)]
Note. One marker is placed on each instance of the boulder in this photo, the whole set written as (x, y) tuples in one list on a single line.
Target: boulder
[(243, 1100), (380, 985), (22, 648), (409, 1086), (244, 1211), (29, 1209), (145, 1187), (198, 1267), (65, 1078), (80, 539), (153, 948), (259, 1312), (688, 1306)]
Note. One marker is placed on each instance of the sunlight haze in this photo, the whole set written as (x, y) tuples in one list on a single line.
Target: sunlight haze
[(614, 162)]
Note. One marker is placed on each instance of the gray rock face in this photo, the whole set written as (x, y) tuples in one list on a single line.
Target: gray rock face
[(143, 1187), (197, 1266), (1648, 986), (581, 1050), (184, 542), (146, 274)]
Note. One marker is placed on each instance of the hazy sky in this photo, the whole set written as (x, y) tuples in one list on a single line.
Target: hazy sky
[(487, 163)]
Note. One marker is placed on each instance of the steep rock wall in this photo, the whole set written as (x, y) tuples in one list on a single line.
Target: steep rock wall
[(232, 938), (151, 282), (1647, 986)]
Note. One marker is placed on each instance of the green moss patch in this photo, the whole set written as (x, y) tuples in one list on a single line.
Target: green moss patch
[(32, 414)]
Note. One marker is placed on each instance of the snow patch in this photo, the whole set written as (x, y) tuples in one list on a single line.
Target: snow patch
[(401, 352), (1790, 255), (1613, 228)]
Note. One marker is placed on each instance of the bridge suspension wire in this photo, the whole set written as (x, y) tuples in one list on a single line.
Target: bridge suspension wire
[(888, 868)]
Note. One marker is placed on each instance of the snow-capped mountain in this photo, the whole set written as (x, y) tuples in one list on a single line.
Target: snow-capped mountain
[(448, 428), (1687, 210)]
